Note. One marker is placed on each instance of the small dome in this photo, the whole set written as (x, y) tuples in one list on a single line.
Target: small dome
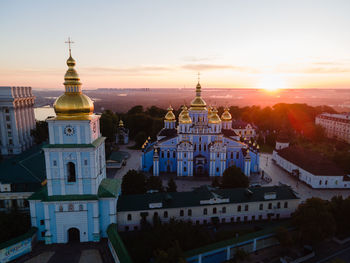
[(121, 123), (214, 118), (170, 116), (226, 115), (198, 103), (184, 117)]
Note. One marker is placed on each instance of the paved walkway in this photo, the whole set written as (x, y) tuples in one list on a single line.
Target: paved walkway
[(133, 162), (278, 175)]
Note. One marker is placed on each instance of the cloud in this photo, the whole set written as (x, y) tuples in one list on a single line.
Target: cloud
[(128, 70), (203, 67), (200, 59)]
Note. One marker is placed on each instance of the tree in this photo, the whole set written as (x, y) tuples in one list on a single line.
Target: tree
[(234, 178), (173, 254), (140, 138), (136, 110), (215, 182), (154, 183), (41, 132), (284, 237), (108, 122), (314, 220), (133, 182), (240, 255), (172, 187)]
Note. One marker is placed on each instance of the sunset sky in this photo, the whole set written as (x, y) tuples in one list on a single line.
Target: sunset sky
[(163, 44)]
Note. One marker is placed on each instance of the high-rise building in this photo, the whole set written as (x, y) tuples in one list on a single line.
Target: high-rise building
[(16, 119)]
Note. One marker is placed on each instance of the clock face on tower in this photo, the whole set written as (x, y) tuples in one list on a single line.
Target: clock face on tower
[(69, 130)]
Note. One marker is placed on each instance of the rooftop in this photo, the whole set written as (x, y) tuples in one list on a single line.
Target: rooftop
[(25, 172), (202, 196), (311, 161)]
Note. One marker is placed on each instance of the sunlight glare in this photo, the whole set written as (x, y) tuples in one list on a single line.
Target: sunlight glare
[(271, 83)]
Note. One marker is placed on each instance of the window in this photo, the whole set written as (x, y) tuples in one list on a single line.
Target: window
[(165, 215), (218, 155), (320, 182), (181, 212), (168, 154), (81, 207), (239, 208), (42, 222), (214, 210), (10, 141), (326, 182), (200, 147), (194, 147), (185, 169), (54, 163), (261, 206), (174, 154), (231, 155), (71, 172), (85, 162), (205, 147), (70, 207), (8, 126), (205, 211), (246, 208), (7, 118), (217, 169), (189, 212), (224, 210), (162, 154), (185, 155), (42, 233), (278, 205), (285, 204), (6, 110), (237, 155), (60, 208), (270, 206)]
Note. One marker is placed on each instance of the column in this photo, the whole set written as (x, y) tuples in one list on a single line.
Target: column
[(48, 236), (96, 221), (3, 133), (15, 129)]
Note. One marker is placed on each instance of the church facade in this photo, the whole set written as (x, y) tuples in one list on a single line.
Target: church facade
[(202, 144), (77, 202)]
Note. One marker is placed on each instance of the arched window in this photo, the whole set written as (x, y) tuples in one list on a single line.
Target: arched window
[(195, 147), (205, 211), (231, 155), (200, 147), (174, 154), (239, 208), (205, 147), (129, 217), (189, 212), (71, 172), (185, 155), (168, 155), (237, 155)]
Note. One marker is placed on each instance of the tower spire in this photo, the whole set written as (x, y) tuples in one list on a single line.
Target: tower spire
[(199, 78), (69, 42)]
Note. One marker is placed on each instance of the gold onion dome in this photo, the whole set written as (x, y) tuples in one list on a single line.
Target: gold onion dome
[(184, 117), (170, 116), (198, 103), (121, 123), (214, 118), (226, 116), (73, 103), (210, 111)]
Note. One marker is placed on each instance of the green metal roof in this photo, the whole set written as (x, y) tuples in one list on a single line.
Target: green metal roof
[(109, 188), (94, 144), (15, 240), (25, 171), (193, 198), (118, 244), (43, 196), (237, 240), (118, 156)]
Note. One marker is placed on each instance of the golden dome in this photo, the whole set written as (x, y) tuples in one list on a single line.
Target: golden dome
[(121, 123), (226, 115), (170, 116), (214, 118), (184, 117), (73, 103), (198, 103), (210, 111)]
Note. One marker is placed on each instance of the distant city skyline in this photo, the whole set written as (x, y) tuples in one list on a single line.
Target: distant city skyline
[(163, 44)]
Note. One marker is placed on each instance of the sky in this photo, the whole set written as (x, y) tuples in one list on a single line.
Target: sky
[(265, 44)]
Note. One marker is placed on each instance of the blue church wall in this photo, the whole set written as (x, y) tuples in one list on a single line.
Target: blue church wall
[(39, 210), (53, 228), (147, 161), (90, 222), (104, 210), (86, 186)]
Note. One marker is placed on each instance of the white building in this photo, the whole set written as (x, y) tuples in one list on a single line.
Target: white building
[(16, 119), (244, 129), (206, 205), (311, 167), (336, 125)]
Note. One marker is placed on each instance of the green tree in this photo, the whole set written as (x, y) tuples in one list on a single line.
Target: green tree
[(314, 220), (234, 178), (284, 237), (109, 122), (136, 110), (172, 187), (154, 183), (41, 132), (15, 223), (140, 138), (133, 182)]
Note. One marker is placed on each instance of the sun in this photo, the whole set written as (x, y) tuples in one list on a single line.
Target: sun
[(271, 83)]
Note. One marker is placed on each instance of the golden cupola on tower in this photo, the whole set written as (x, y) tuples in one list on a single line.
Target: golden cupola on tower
[(170, 116), (73, 104), (198, 103), (214, 118), (226, 115), (184, 116)]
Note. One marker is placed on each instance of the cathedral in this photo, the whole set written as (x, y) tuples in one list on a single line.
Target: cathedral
[(202, 144), (78, 202)]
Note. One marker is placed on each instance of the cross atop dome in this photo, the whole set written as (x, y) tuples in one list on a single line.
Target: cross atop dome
[(69, 42)]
